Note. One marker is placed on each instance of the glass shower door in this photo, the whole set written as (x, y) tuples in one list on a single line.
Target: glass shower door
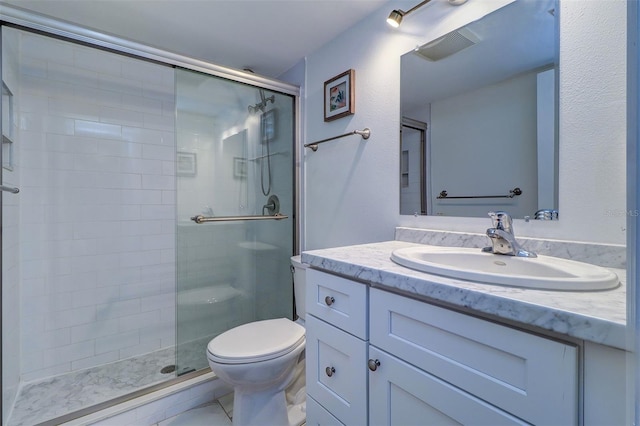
[(235, 175), (88, 259)]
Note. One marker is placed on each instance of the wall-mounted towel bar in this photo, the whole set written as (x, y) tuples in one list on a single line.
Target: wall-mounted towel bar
[(204, 219), (512, 193), (365, 133)]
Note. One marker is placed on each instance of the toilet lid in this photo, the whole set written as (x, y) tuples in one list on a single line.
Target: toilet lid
[(256, 341)]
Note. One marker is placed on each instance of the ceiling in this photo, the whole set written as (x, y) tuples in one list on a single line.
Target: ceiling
[(268, 36)]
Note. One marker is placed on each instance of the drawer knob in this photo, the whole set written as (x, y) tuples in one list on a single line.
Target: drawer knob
[(329, 300), (373, 364), (329, 371)]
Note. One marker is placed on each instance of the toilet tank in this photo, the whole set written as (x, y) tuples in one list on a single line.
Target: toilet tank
[(299, 285)]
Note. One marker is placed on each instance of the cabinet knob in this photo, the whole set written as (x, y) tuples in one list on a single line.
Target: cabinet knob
[(329, 300), (373, 364), (329, 371)]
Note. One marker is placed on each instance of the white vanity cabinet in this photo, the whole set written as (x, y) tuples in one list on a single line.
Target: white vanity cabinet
[(380, 358), (336, 350), (454, 368)]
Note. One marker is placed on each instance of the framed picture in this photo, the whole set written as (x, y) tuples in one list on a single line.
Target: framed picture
[(239, 168), (268, 126), (339, 96), (186, 164)]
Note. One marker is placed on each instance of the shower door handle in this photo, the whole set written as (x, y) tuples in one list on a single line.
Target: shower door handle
[(203, 219), (10, 189)]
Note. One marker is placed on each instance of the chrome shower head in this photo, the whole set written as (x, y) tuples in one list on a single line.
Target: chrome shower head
[(260, 106)]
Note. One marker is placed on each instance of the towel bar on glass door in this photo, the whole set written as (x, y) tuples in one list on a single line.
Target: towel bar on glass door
[(203, 219)]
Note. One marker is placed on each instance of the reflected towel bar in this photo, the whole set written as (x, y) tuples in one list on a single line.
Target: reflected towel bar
[(365, 133), (203, 219), (512, 193)]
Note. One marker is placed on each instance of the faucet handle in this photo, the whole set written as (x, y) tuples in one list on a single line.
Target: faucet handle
[(501, 220)]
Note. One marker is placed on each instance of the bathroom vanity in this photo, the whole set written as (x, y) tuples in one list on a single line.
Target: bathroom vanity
[(390, 345)]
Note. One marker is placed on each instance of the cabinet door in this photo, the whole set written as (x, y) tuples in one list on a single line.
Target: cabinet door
[(337, 371), (400, 394), (518, 371)]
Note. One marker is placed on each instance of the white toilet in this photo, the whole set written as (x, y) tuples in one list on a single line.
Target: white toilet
[(260, 360)]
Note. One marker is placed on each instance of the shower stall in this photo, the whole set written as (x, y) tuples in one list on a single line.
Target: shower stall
[(148, 205)]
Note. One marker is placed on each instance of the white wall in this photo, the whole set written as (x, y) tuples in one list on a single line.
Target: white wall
[(592, 188), (97, 211), (487, 138), (352, 186)]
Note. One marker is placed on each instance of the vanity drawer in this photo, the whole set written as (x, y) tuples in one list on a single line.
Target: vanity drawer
[(338, 301), (336, 371), (529, 376)]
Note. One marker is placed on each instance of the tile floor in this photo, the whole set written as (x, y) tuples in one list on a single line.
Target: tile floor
[(217, 413)]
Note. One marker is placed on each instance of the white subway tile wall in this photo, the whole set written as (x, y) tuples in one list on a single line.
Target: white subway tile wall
[(97, 207)]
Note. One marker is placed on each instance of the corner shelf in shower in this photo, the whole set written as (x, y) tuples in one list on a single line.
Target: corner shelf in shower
[(7, 127)]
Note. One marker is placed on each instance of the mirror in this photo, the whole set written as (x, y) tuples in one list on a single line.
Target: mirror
[(479, 117)]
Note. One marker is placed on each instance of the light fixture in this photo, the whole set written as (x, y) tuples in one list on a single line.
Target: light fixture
[(395, 17)]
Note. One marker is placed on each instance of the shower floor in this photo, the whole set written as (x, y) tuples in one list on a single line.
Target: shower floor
[(53, 397)]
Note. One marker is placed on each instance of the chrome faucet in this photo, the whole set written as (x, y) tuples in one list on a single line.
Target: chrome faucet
[(502, 239)]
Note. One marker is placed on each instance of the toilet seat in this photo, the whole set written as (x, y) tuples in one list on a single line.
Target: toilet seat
[(256, 341)]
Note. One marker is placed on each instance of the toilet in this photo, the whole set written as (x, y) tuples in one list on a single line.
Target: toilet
[(260, 360)]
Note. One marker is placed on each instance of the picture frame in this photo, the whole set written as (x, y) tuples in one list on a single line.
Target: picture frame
[(339, 96), (186, 164), (239, 168)]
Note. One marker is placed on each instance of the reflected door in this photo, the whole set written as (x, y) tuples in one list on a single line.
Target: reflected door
[(413, 146)]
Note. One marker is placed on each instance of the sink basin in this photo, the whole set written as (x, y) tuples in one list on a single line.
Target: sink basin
[(542, 272)]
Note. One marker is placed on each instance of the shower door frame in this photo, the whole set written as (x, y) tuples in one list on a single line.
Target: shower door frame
[(21, 19)]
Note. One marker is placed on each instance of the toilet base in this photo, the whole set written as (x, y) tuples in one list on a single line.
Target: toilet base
[(251, 409)]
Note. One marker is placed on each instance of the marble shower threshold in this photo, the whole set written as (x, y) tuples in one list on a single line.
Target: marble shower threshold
[(47, 399)]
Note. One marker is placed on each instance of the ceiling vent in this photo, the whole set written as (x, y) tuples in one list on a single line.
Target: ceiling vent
[(447, 45)]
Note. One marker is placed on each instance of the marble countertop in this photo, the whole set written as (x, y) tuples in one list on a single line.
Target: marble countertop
[(596, 316)]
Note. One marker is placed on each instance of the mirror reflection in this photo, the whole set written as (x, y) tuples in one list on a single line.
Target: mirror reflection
[(479, 117)]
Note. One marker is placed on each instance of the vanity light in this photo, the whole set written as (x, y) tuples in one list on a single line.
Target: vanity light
[(395, 17)]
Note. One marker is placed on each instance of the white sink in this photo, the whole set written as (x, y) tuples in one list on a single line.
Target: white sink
[(542, 272)]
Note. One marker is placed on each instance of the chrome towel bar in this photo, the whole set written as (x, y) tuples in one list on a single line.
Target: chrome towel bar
[(512, 193), (204, 219), (365, 133)]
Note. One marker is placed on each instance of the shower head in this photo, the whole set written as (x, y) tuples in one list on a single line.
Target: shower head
[(260, 106)]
